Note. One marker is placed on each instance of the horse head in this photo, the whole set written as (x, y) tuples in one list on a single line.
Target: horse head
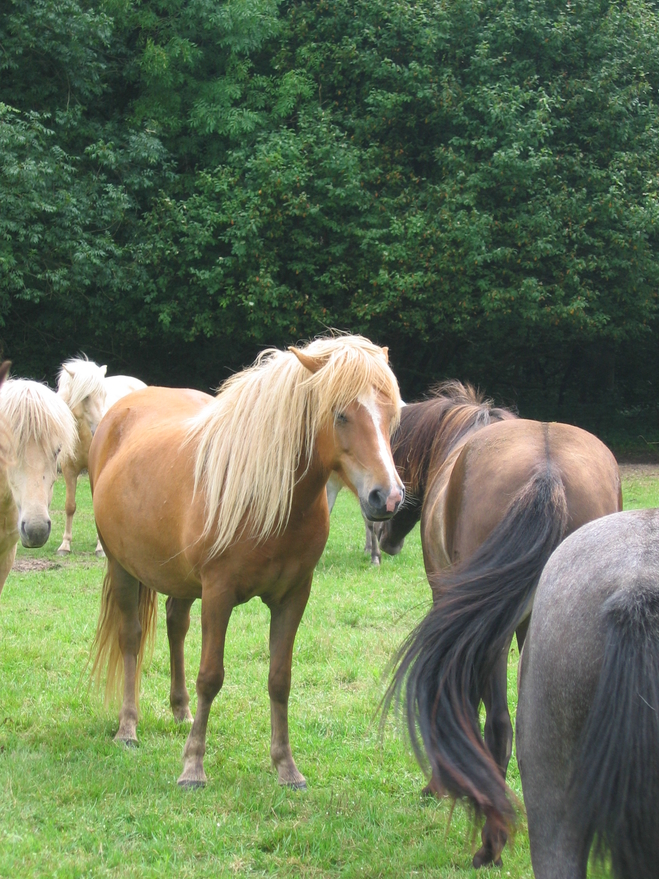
[(361, 427), (41, 426), (81, 384)]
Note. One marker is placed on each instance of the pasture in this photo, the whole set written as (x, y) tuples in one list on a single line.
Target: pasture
[(74, 804)]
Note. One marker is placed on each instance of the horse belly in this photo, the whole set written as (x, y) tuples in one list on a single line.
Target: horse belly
[(145, 518)]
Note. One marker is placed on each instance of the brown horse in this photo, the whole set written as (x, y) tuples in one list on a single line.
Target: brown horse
[(495, 495), (224, 499)]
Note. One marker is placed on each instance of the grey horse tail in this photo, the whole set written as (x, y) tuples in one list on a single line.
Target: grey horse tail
[(445, 664), (614, 790)]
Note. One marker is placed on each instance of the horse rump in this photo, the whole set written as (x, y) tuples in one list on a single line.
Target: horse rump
[(614, 788)]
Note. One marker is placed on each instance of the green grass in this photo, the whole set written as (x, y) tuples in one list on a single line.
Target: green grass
[(73, 804)]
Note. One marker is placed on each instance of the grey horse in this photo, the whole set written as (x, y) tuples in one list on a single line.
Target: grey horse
[(588, 711)]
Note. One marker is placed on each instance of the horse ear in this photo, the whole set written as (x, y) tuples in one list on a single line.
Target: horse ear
[(4, 369), (385, 351), (104, 369), (313, 364), (66, 369)]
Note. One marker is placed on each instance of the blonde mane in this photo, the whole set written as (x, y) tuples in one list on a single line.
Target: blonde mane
[(34, 412), (260, 430), (80, 378)]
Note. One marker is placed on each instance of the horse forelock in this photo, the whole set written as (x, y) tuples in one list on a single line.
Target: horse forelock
[(255, 440), (35, 413), (432, 429), (79, 378)]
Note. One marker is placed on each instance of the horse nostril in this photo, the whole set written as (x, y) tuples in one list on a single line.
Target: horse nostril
[(377, 499)]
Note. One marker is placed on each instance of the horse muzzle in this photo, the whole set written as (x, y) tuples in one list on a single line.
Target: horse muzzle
[(34, 533), (379, 506)]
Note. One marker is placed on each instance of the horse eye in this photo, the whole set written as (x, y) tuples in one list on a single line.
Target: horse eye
[(340, 418), (58, 450)]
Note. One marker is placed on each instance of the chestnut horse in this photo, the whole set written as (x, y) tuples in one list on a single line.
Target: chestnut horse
[(495, 495), (36, 427), (588, 712), (88, 393), (224, 499)]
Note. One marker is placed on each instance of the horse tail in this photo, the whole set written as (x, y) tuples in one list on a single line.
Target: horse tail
[(444, 665), (614, 790), (106, 650)]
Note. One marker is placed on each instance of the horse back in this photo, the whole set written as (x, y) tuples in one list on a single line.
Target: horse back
[(139, 463), (128, 421)]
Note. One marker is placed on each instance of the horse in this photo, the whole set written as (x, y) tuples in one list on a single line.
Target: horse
[(117, 386), (588, 711), (371, 547), (36, 427), (89, 393), (495, 495), (224, 499)]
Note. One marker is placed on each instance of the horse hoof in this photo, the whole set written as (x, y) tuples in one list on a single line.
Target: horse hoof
[(63, 552), (483, 858), (295, 785), (128, 743), (190, 784), (434, 789), (100, 554)]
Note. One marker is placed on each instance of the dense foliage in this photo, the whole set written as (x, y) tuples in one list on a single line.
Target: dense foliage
[(473, 182)]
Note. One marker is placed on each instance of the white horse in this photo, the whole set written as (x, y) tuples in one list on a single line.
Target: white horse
[(35, 427), (84, 387)]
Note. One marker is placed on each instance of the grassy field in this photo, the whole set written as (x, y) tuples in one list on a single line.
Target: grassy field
[(73, 804)]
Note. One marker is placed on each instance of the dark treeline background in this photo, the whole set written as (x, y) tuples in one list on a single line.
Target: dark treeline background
[(471, 182)]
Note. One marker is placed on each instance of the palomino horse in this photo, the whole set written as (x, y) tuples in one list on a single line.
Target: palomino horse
[(39, 426), (494, 500), (588, 710), (88, 393), (224, 499)]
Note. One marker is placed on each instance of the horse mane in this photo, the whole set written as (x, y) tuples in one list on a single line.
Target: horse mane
[(255, 440), (34, 412), (79, 378), (430, 430)]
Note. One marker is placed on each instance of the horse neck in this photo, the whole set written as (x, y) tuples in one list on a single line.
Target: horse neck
[(84, 438), (314, 471), (428, 437)]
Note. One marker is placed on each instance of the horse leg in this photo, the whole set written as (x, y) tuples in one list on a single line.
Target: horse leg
[(126, 592), (71, 480), (521, 631), (215, 615), (555, 853), (178, 623), (499, 741), (284, 621), (371, 545), (6, 564), (100, 552)]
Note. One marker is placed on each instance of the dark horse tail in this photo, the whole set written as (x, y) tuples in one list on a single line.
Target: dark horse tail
[(444, 665), (615, 784)]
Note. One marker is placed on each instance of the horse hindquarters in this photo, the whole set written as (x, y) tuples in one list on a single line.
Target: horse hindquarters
[(448, 661), (614, 790)]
